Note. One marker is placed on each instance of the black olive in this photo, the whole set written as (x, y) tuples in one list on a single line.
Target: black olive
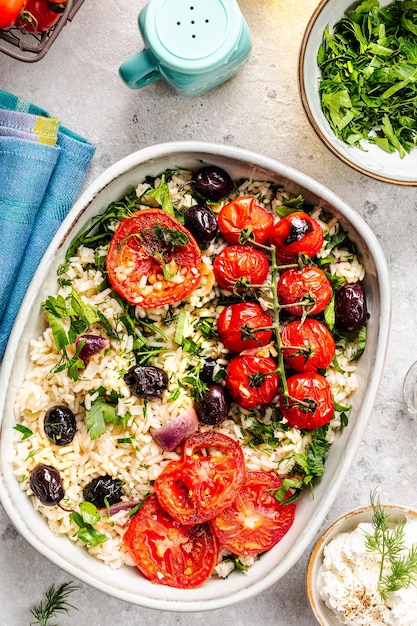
[(201, 222), (146, 381), (212, 182), (60, 425), (350, 307), (103, 491), (207, 371), (213, 408), (45, 482)]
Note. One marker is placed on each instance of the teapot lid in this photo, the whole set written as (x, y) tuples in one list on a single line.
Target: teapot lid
[(192, 35)]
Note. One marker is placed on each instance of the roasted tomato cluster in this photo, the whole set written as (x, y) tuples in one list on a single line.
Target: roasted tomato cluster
[(202, 502)]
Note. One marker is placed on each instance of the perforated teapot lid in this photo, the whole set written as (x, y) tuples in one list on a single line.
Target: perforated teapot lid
[(192, 35)]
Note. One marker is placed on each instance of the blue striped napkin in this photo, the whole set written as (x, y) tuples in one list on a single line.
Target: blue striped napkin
[(42, 168)]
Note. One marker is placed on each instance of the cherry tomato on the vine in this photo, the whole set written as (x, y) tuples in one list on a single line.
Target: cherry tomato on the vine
[(166, 551), (310, 403), (206, 479), (237, 263), (40, 15), (309, 284), (10, 11), (237, 325), (297, 233), (255, 521), (252, 381), (313, 346), (244, 212), (153, 260)]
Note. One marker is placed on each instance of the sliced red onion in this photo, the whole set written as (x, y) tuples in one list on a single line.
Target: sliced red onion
[(169, 436), (92, 345), (119, 506)]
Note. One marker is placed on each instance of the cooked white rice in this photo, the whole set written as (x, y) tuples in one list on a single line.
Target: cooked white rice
[(138, 463)]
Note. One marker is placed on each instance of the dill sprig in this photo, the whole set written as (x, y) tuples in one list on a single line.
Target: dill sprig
[(388, 541), (56, 602)]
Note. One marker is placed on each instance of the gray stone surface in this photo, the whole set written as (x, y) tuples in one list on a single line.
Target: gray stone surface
[(260, 110)]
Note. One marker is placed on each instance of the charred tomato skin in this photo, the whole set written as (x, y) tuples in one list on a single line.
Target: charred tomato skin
[(297, 233)]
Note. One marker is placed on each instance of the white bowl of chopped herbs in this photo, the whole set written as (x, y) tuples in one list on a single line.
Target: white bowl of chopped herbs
[(357, 80), (363, 568)]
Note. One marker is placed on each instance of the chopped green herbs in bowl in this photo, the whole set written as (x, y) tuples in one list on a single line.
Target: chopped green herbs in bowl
[(357, 79)]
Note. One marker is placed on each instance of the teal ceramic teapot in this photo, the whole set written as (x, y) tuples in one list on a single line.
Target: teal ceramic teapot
[(194, 45)]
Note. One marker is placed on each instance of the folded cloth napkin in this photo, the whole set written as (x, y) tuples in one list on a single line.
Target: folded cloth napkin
[(42, 168)]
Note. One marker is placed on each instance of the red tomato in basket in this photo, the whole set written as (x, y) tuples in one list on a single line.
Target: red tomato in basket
[(240, 262), (297, 233), (255, 521), (309, 284), (312, 345), (237, 326), (310, 403), (10, 11), (142, 246), (205, 481), (252, 381), (244, 212), (40, 16), (166, 551)]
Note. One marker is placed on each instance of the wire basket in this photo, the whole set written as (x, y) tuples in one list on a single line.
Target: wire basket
[(30, 47)]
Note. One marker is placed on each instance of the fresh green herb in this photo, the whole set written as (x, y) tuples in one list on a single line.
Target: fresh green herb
[(260, 434), (180, 328), (192, 382), (289, 206), (388, 540), (368, 84), (32, 454), (24, 430), (161, 196), (205, 327), (169, 237), (125, 440), (55, 602), (103, 410), (85, 520)]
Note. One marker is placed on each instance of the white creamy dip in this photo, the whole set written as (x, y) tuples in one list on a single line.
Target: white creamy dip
[(348, 582)]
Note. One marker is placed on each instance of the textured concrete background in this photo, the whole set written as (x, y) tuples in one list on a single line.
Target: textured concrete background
[(260, 110)]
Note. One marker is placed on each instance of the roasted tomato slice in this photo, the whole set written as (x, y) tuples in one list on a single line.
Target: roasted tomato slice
[(252, 380), (297, 233), (205, 481), (308, 284), (244, 212), (166, 551), (153, 260), (255, 521), (312, 345), (238, 324), (237, 263), (310, 402)]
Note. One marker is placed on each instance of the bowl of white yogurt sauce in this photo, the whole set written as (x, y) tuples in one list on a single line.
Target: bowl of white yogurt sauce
[(344, 575)]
